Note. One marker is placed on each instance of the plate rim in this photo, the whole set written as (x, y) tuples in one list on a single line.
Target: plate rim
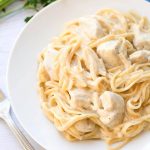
[(29, 135), (9, 61)]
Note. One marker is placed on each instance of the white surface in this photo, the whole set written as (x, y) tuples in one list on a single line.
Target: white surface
[(9, 29), (23, 67)]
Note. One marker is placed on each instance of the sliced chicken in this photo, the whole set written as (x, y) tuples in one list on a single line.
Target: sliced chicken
[(141, 56), (108, 51), (87, 28), (49, 61), (115, 52), (85, 126), (80, 98), (91, 27), (111, 109), (141, 38), (93, 63)]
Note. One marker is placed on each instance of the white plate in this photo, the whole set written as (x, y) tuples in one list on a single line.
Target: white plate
[(23, 68)]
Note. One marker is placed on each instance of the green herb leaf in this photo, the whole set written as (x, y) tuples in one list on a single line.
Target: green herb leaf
[(27, 18), (29, 4), (46, 2), (5, 3)]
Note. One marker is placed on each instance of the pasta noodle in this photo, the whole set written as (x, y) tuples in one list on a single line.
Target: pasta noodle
[(94, 78)]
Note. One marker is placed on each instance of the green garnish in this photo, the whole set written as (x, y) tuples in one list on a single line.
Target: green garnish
[(27, 18), (28, 4)]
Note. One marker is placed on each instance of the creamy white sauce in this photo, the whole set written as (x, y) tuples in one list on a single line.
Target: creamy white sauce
[(49, 60), (141, 56)]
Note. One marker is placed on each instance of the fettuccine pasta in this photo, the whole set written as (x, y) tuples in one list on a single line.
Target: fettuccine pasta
[(94, 78)]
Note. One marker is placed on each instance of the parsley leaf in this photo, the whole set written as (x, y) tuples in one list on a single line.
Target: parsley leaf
[(29, 4), (27, 18)]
